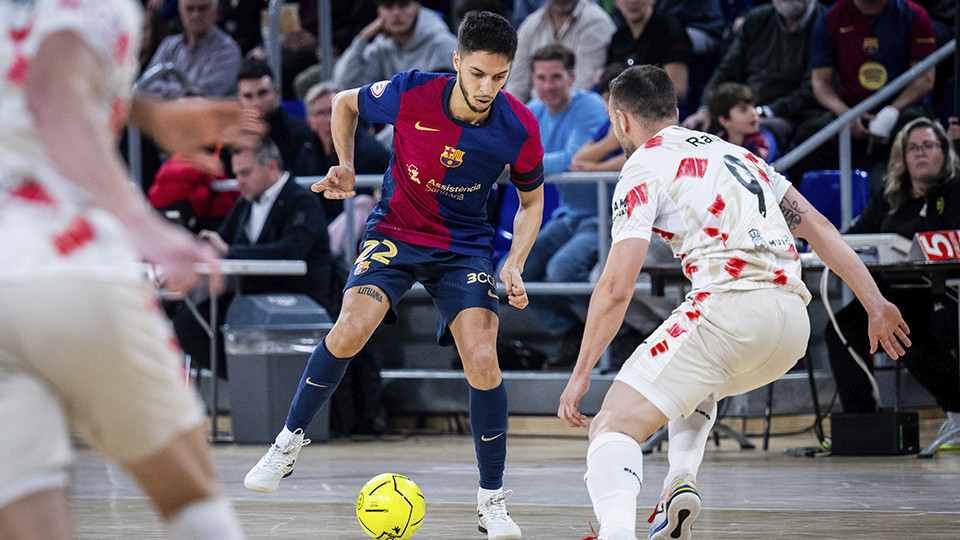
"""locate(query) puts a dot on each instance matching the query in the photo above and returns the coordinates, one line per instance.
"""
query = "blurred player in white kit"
(82, 341)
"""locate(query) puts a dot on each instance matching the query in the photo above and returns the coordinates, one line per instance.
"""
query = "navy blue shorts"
(456, 282)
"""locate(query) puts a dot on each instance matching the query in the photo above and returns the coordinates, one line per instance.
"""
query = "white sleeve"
(635, 203)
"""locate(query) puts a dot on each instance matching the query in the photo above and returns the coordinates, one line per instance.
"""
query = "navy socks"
(321, 377)
(488, 420)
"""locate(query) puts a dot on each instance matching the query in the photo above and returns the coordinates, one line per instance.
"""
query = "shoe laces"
(495, 507)
(278, 458)
(948, 425)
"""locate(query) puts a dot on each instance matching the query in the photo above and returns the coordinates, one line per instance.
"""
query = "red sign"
(939, 245)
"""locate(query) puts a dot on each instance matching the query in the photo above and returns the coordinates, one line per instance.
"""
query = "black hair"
(609, 73)
(487, 32)
(252, 68)
(645, 92)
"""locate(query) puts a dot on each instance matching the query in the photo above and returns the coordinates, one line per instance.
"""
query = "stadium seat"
(509, 203)
(822, 189)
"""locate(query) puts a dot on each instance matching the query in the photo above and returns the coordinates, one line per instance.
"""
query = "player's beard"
(466, 98)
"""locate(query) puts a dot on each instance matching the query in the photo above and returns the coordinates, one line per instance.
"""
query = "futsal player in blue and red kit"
(453, 137)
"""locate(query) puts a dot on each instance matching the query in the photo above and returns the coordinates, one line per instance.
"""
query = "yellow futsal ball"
(390, 507)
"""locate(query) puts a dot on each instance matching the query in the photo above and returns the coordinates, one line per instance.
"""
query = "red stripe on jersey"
(756, 161)
(712, 231)
(636, 197)
(700, 296)
(30, 190)
(659, 348)
(654, 142)
(718, 206)
(77, 234)
(693, 315)
(689, 269)
(734, 266)
(692, 167)
(675, 330)
(17, 74)
(121, 47)
(781, 278)
(664, 234)
(793, 250)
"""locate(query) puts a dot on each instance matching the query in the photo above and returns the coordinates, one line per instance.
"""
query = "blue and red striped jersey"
(435, 191)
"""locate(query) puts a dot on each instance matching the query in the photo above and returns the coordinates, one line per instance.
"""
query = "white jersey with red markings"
(716, 205)
(47, 227)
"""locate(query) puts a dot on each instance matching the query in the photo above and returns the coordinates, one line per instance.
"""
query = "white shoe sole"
(508, 536)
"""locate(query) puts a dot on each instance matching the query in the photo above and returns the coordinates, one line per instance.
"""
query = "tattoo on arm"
(371, 292)
(792, 213)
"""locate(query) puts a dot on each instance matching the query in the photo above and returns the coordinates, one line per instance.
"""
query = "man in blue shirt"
(453, 137)
(566, 249)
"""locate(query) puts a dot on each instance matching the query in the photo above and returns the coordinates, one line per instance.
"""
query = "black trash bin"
(268, 339)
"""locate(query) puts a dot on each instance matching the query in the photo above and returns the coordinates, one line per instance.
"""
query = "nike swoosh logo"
(492, 294)
(845, 29)
(484, 438)
(423, 128)
(315, 384)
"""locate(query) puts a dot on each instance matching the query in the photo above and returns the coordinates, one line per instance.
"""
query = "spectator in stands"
(580, 25)
(522, 9)
(206, 55)
(370, 156)
(649, 38)
(733, 107)
(602, 152)
(276, 218)
(922, 193)
(257, 91)
(404, 36)
(867, 43)
(702, 19)
(566, 248)
(771, 55)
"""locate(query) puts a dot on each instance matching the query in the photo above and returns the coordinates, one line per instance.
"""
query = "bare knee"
(481, 367)
(347, 336)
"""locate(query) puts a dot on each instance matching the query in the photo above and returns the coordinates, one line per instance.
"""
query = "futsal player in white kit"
(732, 220)
(82, 340)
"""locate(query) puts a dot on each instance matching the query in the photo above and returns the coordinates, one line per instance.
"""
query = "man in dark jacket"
(274, 219)
(771, 55)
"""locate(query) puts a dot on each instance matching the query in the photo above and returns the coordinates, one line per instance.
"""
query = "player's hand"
(887, 328)
(699, 120)
(176, 252)
(576, 388)
(215, 241)
(513, 283)
(338, 183)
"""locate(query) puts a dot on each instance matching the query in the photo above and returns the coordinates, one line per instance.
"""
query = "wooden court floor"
(746, 493)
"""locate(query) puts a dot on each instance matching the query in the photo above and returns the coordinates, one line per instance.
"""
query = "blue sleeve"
(823, 52)
(379, 102)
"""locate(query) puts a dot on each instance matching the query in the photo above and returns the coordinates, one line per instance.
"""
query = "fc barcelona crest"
(361, 268)
(451, 157)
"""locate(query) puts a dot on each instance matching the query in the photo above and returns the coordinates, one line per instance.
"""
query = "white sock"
(209, 519)
(688, 439)
(614, 475)
(284, 437)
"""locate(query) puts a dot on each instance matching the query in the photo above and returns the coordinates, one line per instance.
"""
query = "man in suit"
(275, 218)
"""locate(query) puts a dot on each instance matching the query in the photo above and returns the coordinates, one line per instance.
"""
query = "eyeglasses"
(928, 146)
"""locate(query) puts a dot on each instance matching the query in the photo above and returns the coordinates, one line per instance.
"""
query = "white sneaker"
(494, 518)
(953, 443)
(679, 505)
(275, 465)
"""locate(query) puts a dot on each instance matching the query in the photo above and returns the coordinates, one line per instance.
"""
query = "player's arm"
(608, 305)
(526, 225)
(340, 179)
(886, 325)
(63, 85)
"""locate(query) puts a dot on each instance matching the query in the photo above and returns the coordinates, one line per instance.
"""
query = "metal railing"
(841, 125)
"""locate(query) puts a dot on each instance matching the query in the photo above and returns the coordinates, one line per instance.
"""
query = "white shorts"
(723, 344)
(99, 355)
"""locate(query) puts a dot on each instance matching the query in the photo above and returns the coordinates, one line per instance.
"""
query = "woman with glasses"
(921, 193)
